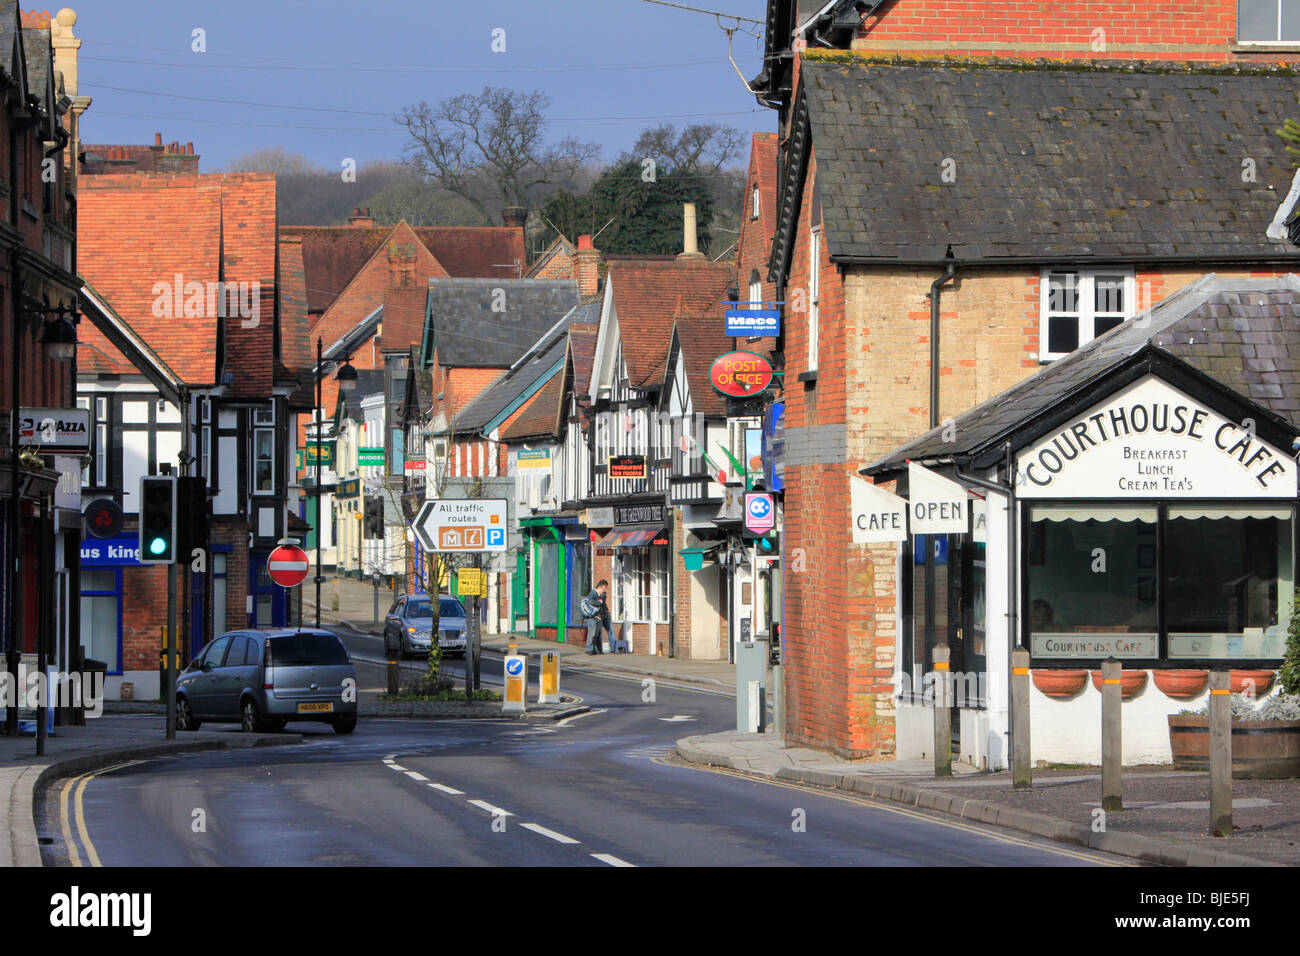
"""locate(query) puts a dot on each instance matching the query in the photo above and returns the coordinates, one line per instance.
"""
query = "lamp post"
(346, 376)
(60, 340)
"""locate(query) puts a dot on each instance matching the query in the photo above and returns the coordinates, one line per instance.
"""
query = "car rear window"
(319, 649)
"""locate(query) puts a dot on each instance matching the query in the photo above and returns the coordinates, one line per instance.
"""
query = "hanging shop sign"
(935, 504)
(1151, 440)
(754, 319)
(627, 466)
(740, 374)
(322, 452)
(368, 457)
(61, 429)
(760, 513)
(351, 488)
(878, 515)
(528, 458)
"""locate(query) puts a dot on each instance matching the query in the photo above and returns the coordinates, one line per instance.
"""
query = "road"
(599, 789)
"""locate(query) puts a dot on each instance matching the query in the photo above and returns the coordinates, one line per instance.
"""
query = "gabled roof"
(1048, 161)
(106, 344)
(296, 360)
(485, 323)
(541, 416)
(403, 317)
(701, 339)
(333, 255)
(1242, 335)
(582, 345)
(649, 293)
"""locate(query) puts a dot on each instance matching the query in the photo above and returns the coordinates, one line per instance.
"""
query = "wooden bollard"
(393, 675)
(1220, 755)
(942, 715)
(1021, 775)
(1112, 738)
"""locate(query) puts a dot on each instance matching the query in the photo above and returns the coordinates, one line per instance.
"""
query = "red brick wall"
(1069, 29)
(144, 614)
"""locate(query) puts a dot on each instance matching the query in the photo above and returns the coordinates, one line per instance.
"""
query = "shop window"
(1268, 21)
(544, 583)
(643, 585)
(1101, 580)
(579, 580)
(101, 616)
(1078, 306)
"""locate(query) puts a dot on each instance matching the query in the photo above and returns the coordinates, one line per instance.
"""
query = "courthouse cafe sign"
(1150, 440)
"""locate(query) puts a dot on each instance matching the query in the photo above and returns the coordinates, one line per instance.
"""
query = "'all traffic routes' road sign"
(462, 524)
(287, 565)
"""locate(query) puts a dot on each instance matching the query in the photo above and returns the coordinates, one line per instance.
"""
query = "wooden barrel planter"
(1060, 684)
(1130, 682)
(1261, 749)
(1180, 684)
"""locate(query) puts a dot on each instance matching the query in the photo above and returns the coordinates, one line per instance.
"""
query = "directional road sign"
(462, 524)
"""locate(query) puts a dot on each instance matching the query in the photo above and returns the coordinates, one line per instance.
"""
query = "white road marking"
(612, 860)
(557, 837)
(495, 811)
(416, 776)
(396, 766)
(590, 713)
(446, 789)
(676, 718)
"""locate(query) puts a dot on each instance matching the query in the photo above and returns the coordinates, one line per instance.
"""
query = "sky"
(324, 78)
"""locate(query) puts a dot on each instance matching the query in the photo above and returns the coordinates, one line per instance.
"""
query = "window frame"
(1086, 313)
(1279, 42)
(814, 298)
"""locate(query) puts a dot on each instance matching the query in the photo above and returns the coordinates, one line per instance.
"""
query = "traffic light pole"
(320, 413)
(170, 669)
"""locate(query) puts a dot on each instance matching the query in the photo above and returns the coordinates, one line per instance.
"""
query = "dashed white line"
(557, 837)
(446, 789)
(416, 776)
(484, 805)
(612, 860)
(396, 766)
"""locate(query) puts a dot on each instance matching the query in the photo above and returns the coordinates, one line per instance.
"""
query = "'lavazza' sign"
(1152, 441)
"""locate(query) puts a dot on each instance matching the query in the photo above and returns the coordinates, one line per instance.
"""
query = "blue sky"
(357, 64)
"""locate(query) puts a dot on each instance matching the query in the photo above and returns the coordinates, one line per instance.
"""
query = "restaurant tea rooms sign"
(1150, 440)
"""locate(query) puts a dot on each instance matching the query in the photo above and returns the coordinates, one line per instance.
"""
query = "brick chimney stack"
(361, 218)
(586, 266)
(690, 243)
(514, 216)
(401, 263)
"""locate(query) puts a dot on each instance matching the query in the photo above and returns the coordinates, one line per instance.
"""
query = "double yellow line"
(72, 793)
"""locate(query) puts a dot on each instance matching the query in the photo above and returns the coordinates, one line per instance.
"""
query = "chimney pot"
(690, 244)
(585, 242)
(157, 139)
(189, 148)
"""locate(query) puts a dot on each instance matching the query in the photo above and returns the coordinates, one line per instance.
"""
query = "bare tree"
(274, 159)
(704, 148)
(490, 147)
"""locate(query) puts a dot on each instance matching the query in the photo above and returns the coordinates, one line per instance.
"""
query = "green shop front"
(559, 576)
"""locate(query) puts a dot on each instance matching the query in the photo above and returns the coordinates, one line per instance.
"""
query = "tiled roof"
(537, 365)
(403, 321)
(36, 46)
(334, 254)
(248, 253)
(540, 417)
(701, 340)
(1242, 333)
(1034, 161)
(483, 323)
(648, 294)
(297, 359)
(582, 343)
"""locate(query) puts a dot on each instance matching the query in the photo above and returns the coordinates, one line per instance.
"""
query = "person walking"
(596, 613)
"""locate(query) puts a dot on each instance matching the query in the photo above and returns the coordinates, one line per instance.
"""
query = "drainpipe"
(949, 270)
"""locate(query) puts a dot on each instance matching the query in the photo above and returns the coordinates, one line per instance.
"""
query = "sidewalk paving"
(356, 610)
(1165, 821)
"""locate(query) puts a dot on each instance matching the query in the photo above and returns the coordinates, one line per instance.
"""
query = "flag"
(744, 472)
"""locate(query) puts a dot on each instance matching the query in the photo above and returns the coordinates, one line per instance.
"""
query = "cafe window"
(1078, 306)
(643, 585)
(1159, 582)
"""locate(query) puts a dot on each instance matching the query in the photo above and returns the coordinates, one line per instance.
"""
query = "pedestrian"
(596, 614)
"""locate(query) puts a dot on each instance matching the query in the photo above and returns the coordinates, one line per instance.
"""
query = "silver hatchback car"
(264, 679)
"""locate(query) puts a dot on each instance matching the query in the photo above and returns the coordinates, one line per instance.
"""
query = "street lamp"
(60, 340)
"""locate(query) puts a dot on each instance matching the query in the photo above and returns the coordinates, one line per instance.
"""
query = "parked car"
(408, 630)
(264, 679)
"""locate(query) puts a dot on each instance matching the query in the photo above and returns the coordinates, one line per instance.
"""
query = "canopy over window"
(631, 536)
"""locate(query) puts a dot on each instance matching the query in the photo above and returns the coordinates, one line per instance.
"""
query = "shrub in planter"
(1265, 738)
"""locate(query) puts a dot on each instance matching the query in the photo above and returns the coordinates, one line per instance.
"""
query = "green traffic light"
(158, 546)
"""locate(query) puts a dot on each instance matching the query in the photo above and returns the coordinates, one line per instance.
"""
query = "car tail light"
(266, 666)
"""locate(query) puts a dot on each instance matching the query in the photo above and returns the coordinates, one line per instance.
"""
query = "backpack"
(588, 608)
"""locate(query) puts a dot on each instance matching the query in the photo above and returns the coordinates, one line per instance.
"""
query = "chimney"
(401, 263)
(361, 218)
(514, 216)
(157, 140)
(586, 266)
(690, 245)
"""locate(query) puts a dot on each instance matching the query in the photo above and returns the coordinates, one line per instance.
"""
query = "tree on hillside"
(646, 214)
(490, 149)
(274, 159)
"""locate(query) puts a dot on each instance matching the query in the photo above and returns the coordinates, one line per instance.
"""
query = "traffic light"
(374, 523)
(769, 545)
(192, 527)
(158, 519)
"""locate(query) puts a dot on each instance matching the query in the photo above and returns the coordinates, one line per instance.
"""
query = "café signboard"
(1151, 440)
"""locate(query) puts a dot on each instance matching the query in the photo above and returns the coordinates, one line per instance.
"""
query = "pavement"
(1165, 821)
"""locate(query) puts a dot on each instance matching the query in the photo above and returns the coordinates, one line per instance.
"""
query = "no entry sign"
(287, 565)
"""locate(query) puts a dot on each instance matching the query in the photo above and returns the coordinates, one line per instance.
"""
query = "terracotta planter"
(1131, 682)
(1181, 685)
(1263, 681)
(1261, 749)
(1060, 684)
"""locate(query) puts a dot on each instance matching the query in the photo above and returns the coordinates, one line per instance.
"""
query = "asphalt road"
(594, 790)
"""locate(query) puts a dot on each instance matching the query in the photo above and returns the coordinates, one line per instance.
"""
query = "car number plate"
(325, 708)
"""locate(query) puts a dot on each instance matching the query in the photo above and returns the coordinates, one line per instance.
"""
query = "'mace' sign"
(1150, 440)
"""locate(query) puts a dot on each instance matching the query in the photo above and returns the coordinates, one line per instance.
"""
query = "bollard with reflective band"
(548, 685)
(516, 668)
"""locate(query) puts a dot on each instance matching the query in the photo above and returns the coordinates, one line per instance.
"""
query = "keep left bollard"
(548, 683)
